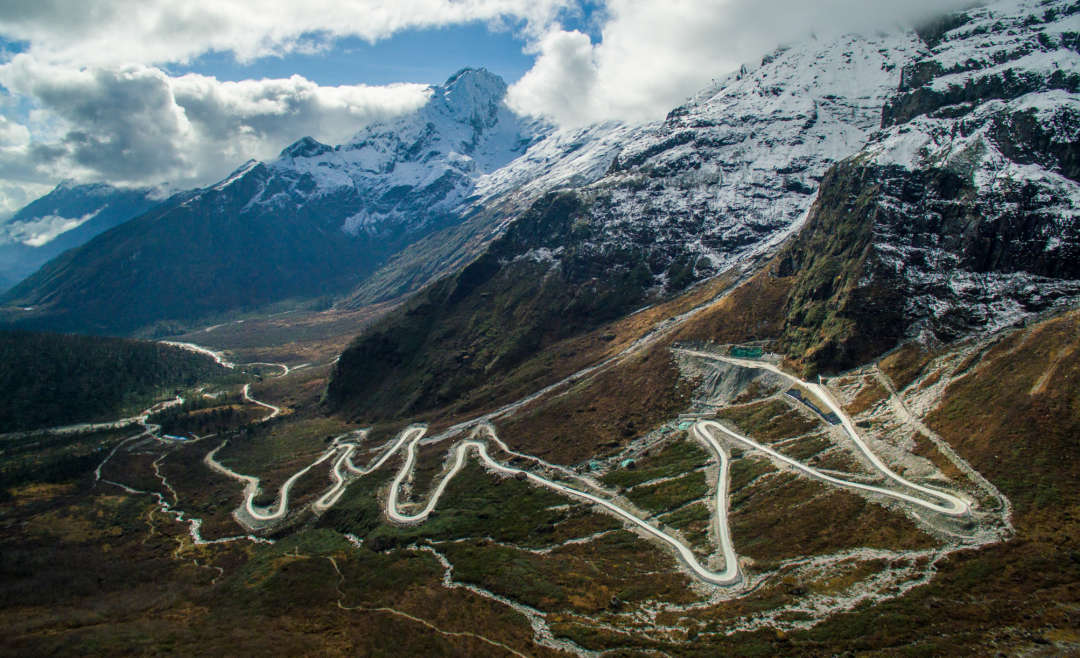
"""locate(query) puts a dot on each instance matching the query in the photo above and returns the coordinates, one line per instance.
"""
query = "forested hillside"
(56, 379)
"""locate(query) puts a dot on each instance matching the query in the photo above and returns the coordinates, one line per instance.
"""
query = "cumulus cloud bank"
(653, 55)
(137, 124)
(104, 108)
(116, 32)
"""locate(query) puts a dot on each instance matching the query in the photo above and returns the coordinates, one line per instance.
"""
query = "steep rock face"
(1001, 52)
(734, 172)
(532, 287)
(65, 218)
(836, 314)
(968, 208)
(727, 176)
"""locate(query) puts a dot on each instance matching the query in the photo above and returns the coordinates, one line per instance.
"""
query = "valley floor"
(774, 515)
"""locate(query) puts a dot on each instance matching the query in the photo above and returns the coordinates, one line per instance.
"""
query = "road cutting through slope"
(707, 432)
(953, 506)
(274, 411)
(218, 357)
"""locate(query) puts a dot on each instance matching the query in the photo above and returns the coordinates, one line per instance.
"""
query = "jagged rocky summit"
(404, 174)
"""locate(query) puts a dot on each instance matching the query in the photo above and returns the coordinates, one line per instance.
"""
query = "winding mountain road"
(952, 505)
(707, 432)
(274, 411)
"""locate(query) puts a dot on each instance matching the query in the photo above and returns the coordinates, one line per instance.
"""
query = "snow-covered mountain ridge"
(738, 167)
(314, 221)
(960, 142)
(729, 175)
(978, 170)
(969, 125)
(404, 173)
(988, 96)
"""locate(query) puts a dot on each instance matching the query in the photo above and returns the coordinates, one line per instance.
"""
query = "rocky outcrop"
(949, 223)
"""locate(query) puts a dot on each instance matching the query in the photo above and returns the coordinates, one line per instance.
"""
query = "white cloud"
(13, 134)
(136, 124)
(653, 55)
(564, 83)
(41, 230)
(110, 33)
(14, 195)
(20, 181)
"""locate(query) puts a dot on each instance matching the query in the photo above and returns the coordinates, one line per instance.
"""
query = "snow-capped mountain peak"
(407, 172)
(471, 96)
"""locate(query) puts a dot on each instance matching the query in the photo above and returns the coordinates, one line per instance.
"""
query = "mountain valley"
(794, 371)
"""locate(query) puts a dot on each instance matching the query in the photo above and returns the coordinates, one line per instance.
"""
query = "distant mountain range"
(65, 218)
(931, 176)
(316, 220)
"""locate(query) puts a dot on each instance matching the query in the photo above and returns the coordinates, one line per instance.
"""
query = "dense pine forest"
(57, 379)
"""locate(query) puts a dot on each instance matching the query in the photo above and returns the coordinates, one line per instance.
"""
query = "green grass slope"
(493, 315)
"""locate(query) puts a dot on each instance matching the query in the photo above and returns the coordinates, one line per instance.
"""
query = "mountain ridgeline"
(956, 216)
(202, 257)
(315, 221)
